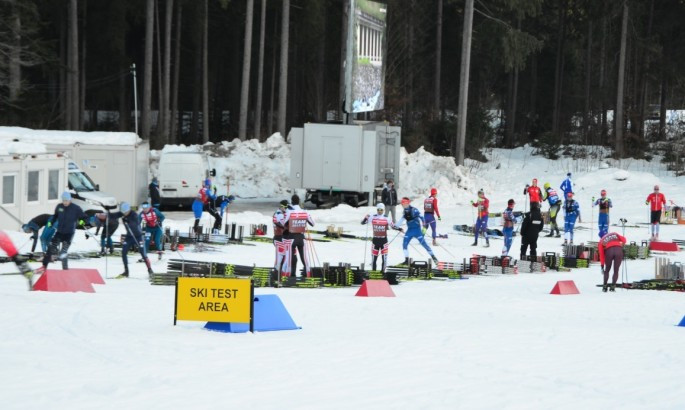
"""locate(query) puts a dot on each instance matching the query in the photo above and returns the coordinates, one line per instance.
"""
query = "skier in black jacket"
(134, 235)
(530, 229)
(154, 193)
(67, 216)
(34, 226)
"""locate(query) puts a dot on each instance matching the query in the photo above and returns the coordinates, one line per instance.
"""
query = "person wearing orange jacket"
(430, 211)
(656, 201)
(611, 252)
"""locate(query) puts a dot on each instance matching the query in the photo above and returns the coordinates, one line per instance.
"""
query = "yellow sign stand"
(214, 300)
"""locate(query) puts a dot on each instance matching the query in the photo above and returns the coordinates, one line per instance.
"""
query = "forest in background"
(542, 71)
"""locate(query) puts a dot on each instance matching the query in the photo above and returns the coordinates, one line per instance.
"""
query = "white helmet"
(380, 206)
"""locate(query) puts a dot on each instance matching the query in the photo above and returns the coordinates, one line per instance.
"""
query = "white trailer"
(118, 162)
(30, 185)
(339, 163)
(119, 170)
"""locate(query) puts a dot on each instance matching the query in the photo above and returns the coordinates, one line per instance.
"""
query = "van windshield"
(80, 182)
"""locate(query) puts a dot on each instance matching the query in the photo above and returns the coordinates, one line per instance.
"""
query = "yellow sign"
(213, 300)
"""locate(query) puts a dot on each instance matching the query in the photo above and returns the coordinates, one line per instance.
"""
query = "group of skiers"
(59, 229)
(290, 224)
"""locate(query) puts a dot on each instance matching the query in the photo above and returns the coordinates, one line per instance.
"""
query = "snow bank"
(421, 171)
(68, 137)
(253, 169)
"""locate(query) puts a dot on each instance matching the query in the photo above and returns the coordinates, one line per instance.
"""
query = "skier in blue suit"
(567, 185)
(415, 229)
(572, 212)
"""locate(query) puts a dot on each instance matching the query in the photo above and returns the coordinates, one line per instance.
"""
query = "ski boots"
(122, 275)
(551, 234)
(474, 243)
(604, 288)
(25, 270)
(435, 243)
(406, 262)
(103, 252)
(558, 235)
(159, 255)
(612, 288)
(487, 244)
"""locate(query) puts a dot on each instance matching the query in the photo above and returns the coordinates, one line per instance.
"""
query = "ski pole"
(366, 239)
(448, 252)
(592, 215)
(393, 239)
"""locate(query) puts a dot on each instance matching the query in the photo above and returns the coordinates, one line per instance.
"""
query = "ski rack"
(633, 251)
(537, 265)
(581, 251)
(664, 269)
(255, 229)
(416, 270)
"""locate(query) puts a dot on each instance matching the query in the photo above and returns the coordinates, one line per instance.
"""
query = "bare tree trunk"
(559, 71)
(283, 80)
(260, 74)
(662, 103)
(642, 97)
(438, 62)
(14, 69)
(205, 76)
(411, 31)
(124, 106)
(343, 55)
(166, 94)
(157, 136)
(602, 75)
(247, 61)
(621, 84)
(588, 82)
(63, 77)
(197, 86)
(177, 70)
(82, 96)
(147, 74)
(464, 82)
(321, 73)
(270, 125)
(73, 70)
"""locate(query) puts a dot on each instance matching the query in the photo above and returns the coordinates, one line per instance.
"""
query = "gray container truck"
(339, 163)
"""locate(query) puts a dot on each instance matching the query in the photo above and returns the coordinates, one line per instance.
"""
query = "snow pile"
(253, 169)
(69, 137)
(421, 171)
(621, 175)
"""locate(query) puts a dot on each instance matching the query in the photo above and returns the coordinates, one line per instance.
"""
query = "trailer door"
(332, 162)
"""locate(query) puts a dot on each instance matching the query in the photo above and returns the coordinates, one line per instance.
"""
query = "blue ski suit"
(415, 223)
(572, 212)
(603, 220)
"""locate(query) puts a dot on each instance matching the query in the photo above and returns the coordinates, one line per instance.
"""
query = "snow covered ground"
(487, 342)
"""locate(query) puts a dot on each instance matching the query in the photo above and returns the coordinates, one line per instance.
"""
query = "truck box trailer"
(338, 163)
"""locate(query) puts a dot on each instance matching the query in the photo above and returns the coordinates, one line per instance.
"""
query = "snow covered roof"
(9, 147)
(67, 137)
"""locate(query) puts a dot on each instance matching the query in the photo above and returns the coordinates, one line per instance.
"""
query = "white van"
(181, 175)
(86, 194)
